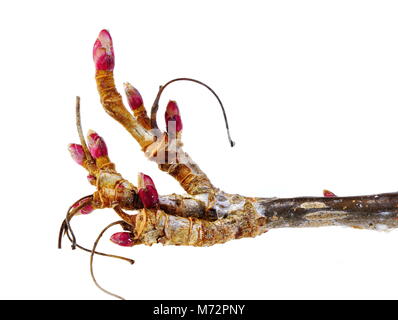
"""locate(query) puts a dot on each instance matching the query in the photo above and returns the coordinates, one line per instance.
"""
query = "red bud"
(104, 57)
(173, 114)
(328, 194)
(77, 152)
(96, 145)
(147, 191)
(85, 209)
(122, 239)
(133, 96)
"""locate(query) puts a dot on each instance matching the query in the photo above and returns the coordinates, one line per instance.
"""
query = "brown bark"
(377, 212)
(182, 220)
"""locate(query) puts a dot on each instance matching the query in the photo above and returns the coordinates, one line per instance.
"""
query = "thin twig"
(131, 261)
(155, 105)
(92, 257)
(67, 229)
(69, 214)
(80, 132)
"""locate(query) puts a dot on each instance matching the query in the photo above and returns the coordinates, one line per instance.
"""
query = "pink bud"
(85, 209)
(96, 145)
(77, 152)
(104, 57)
(328, 194)
(147, 191)
(173, 114)
(122, 239)
(133, 96)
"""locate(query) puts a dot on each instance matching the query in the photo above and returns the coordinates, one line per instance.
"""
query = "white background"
(311, 92)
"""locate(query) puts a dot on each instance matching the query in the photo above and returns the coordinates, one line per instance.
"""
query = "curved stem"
(131, 261)
(92, 257)
(69, 215)
(155, 105)
(67, 229)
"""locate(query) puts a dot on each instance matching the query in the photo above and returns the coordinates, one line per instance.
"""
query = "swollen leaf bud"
(122, 239)
(85, 209)
(328, 194)
(173, 114)
(96, 145)
(133, 96)
(77, 153)
(147, 191)
(103, 55)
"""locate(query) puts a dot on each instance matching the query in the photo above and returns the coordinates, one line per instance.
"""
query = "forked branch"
(206, 215)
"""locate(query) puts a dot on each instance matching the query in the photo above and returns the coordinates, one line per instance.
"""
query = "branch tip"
(147, 191)
(134, 97)
(328, 194)
(103, 55)
(172, 114)
(96, 145)
(123, 239)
